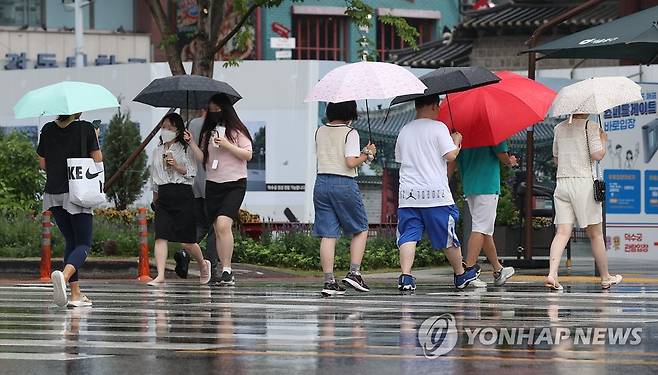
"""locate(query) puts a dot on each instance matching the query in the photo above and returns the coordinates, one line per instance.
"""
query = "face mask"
(215, 117)
(167, 135)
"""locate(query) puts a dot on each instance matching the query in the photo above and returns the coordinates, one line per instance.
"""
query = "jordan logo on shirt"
(422, 194)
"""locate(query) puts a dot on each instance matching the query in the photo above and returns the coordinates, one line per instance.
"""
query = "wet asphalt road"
(284, 327)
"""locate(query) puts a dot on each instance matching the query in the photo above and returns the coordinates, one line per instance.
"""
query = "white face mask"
(167, 135)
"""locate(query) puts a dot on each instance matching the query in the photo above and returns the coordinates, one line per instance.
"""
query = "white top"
(419, 149)
(333, 144)
(570, 147)
(160, 176)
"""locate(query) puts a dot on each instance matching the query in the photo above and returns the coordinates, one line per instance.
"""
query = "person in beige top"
(574, 194)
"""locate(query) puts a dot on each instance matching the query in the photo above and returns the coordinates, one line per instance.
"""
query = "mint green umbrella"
(64, 98)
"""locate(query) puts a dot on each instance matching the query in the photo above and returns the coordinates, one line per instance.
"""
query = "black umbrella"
(185, 91)
(634, 37)
(451, 79)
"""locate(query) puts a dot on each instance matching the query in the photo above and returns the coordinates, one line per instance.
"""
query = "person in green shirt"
(480, 172)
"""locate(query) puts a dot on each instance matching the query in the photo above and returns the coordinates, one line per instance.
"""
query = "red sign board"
(278, 28)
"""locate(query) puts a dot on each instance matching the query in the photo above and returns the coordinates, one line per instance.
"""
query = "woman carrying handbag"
(68, 137)
(577, 145)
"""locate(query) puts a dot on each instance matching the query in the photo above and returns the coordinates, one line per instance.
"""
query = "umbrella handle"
(452, 122)
(368, 116)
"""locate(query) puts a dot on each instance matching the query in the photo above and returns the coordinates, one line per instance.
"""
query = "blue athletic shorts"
(338, 205)
(439, 223)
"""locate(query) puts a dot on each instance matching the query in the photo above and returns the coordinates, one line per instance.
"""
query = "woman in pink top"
(226, 146)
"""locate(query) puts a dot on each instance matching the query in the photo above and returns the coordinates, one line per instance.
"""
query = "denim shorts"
(338, 205)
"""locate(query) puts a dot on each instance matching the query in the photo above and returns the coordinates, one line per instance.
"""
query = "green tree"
(208, 39)
(121, 139)
(21, 180)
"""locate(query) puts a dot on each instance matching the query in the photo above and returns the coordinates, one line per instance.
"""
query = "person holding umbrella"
(173, 166)
(62, 139)
(336, 198)
(226, 147)
(577, 145)
(578, 142)
(423, 149)
(65, 138)
(480, 174)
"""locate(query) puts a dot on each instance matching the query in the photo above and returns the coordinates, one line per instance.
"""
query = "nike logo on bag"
(91, 176)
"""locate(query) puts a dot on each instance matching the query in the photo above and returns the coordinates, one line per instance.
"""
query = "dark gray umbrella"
(451, 79)
(634, 37)
(185, 91)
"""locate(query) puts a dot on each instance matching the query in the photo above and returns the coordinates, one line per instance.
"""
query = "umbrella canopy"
(185, 91)
(64, 98)
(451, 79)
(634, 37)
(490, 114)
(365, 80)
(595, 95)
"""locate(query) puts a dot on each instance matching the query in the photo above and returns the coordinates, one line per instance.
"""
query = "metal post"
(532, 68)
(79, 34)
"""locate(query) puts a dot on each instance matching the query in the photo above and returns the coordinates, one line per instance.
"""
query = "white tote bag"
(86, 182)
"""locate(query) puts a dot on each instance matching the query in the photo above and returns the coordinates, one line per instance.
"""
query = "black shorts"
(175, 219)
(225, 199)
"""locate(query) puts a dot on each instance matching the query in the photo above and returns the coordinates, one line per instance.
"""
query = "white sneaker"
(504, 274)
(477, 283)
(59, 288)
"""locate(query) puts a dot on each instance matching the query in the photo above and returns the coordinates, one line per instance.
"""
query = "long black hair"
(229, 119)
(179, 124)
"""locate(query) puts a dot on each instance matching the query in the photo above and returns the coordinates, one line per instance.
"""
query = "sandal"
(204, 277)
(552, 284)
(612, 280)
(84, 301)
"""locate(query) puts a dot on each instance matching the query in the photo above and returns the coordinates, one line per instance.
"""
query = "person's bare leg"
(224, 234)
(454, 256)
(489, 248)
(197, 254)
(160, 251)
(358, 247)
(68, 271)
(75, 291)
(327, 250)
(595, 234)
(562, 236)
(407, 256)
(475, 243)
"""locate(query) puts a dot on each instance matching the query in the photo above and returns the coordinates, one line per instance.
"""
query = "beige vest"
(330, 150)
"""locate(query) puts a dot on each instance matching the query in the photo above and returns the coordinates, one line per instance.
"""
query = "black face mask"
(215, 117)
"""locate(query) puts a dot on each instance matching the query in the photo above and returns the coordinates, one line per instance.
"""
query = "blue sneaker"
(470, 274)
(406, 283)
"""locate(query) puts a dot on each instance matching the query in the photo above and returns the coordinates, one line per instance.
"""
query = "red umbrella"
(490, 114)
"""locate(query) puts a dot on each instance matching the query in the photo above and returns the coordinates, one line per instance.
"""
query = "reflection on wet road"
(261, 327)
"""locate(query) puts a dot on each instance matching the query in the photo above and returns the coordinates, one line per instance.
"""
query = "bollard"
(143, 268)
(46, 249)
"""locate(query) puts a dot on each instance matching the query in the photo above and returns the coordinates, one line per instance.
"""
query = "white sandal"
(612, 280)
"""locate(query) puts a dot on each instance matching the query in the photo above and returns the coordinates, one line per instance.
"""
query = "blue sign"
(651, 192)
(623, 191)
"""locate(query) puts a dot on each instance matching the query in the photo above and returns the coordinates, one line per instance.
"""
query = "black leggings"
(77, 232)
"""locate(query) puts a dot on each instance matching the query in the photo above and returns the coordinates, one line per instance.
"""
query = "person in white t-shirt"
(423, 149)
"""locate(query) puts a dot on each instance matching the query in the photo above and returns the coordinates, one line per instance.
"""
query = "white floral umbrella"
(595, 95)
(365, 80)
